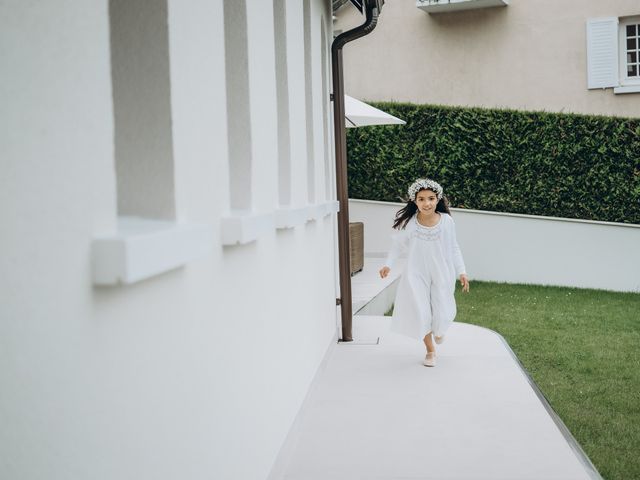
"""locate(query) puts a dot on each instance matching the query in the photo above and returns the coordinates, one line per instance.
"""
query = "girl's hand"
(464, 281)
(384, 271)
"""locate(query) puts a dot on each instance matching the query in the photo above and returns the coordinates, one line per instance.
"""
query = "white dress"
(424, 300)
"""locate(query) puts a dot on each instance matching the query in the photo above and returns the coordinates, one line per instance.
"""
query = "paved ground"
(367, 285)
(375, 412)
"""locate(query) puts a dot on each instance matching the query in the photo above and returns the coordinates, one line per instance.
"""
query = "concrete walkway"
(375, 412)
(370, 294)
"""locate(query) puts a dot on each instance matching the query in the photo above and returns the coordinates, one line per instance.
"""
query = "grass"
(582, 348)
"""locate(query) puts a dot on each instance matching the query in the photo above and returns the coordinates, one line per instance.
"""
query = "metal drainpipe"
(372, 10)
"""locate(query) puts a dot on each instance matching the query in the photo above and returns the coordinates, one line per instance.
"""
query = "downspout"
(372, 10)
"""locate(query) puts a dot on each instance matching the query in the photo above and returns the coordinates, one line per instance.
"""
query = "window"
(613, 53)
(282, 95)
(308, 94)
(251, 121)
(238, 108)
(629, 33)
(146, 240)
(142, 108)
(327, 145)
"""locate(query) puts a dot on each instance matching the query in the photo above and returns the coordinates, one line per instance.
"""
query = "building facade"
(578, 56)
(169, 266)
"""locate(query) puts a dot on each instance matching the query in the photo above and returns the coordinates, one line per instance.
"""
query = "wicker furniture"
(356, 246)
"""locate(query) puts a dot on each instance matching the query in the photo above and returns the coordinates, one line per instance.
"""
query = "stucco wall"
(524, 248)
(529, 55)
(195, 373)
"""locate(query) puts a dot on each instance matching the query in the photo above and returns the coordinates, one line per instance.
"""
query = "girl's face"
(426, 200)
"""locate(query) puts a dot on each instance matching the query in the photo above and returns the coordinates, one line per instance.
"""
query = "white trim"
(287, 217)
(627, 89)
(316, 212)
(143, 248)
(624, 81)
(437, 6)
(323, 209)
(240, 228)
(544, 217)
(521, 215)
(333, 206)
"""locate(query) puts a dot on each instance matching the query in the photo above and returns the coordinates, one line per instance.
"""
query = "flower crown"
(425, 183)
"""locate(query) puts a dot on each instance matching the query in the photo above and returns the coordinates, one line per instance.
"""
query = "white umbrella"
(360, 114)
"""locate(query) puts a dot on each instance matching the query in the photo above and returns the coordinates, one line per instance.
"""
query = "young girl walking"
(425, 306)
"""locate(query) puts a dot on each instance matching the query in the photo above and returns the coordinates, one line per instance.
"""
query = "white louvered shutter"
(602, 52)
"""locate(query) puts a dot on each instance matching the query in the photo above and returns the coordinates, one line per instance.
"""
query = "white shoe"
(430, 359)
(439, 340)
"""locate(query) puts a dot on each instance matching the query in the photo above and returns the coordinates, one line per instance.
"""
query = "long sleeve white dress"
(424, 300)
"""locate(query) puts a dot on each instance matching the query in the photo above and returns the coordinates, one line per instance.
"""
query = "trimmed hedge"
(538, 163)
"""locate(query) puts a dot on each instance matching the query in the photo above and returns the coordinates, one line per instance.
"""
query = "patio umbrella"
(360, 114)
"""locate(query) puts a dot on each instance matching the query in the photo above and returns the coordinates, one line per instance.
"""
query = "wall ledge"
(323, 209)
(626, 89)
(438, 6)
(506, 214)
(142, 248)
(242, 227)
(290, 217)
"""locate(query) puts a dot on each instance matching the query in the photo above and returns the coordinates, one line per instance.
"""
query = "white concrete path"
(375, 412)
(371, 294)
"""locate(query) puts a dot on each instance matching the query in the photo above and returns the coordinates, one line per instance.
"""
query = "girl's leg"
(444, 311)
(430, 359)
(428, 341)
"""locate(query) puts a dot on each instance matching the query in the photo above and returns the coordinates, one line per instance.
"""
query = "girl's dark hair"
(405, 213)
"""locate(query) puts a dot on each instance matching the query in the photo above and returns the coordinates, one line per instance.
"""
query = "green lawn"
(582, 348)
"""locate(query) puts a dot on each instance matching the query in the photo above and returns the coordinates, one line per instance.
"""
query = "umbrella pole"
(372, 9)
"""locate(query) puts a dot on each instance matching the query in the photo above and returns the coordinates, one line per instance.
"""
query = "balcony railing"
(441, 6)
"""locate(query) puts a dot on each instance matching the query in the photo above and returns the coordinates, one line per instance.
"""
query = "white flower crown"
(425, 183)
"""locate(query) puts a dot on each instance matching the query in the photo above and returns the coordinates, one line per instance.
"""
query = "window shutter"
(602, 52)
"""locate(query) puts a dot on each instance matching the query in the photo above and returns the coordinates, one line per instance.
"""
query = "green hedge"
(538, 163)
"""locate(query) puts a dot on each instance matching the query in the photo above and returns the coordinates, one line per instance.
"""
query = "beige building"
(577, 56)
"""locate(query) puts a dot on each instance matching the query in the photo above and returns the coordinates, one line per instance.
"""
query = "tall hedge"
(538, 163)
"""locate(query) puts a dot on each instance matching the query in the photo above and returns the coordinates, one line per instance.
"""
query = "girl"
(425, 305)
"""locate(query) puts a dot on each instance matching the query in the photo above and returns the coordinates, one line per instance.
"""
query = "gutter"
(372, 11)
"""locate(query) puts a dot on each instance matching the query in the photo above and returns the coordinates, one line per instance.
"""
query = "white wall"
(195, 373)
(526, 249)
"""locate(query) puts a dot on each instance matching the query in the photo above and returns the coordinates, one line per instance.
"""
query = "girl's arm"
(399, 244)
(458, 261)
